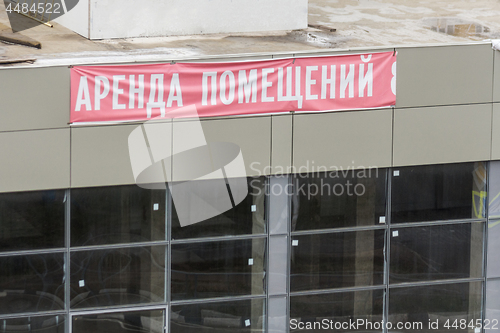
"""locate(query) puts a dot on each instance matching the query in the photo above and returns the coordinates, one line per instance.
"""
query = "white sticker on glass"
(396, 173)
(295, 242)
(254, 208)
(156, 206)
(381, 219)
(247, 322)
(395, 233)
(250, 262)
(81, 283)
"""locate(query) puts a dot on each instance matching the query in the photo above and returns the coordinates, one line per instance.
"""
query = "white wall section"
(130, 18)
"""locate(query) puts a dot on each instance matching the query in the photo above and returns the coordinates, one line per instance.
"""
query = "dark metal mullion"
(434, 282)
(440, 222)
(33, 252)
(485, 246)
(67, 258)
(218, 300)
(168, 219)
(337, 290)
(33, 314)
(218, 239)
(387, 257)
(117, 246)
(289, 245)
(168, 258)
(338, 230)
(118, 309)
(268, 252)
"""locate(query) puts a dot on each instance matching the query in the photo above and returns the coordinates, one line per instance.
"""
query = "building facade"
(366, 216)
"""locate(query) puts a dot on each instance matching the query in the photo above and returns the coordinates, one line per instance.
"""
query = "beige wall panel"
(34, 160)
(281, 156)
(252, 135)
(342, 140)
(442, 134)
(444, 75)
(496, 77)
(34, 98)
(495, 140)
(100, 155)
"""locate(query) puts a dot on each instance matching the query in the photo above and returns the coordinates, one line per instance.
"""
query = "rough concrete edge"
(19, 39)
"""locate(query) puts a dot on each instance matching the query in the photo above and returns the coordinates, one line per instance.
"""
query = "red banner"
(141, 92)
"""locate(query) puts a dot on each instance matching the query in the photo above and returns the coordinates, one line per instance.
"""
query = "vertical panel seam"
(491, 131)
(271, 161)
(392, 135)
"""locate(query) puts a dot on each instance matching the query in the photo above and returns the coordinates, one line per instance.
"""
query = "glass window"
(218, 269)
(278, 264)
(277, 315)
(337, 260)
(492, 322)
(436, 252)
(44, 324)
(494, 190)
(246, 217)
(438, 192)
(117, 276)
(493, 267)
(119, 214)
(435, 305)
(31, 283)
(332, 312)
(338, 199)
(32, 220)
(120, 322)
(280, 189)
(227, 317)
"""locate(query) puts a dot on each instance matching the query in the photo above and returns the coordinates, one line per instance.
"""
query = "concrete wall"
(447, 111)
(77, 19)
(182, 17)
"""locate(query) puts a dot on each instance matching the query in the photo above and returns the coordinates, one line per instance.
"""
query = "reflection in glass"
(218, 269)
(120, 322)
(437, 252)
(493, 267)
(32, 220)
(492, 306)
(230, 317)
(277, 315)
(119, 214)
(117, 276)
(320, 313)
(44, 324)
(279, 204)
(437, 304)
(278, 265)
(494, 190)
(339, 199)
(31, 283)
(438, 192)
(337, 260)
(248, 217)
